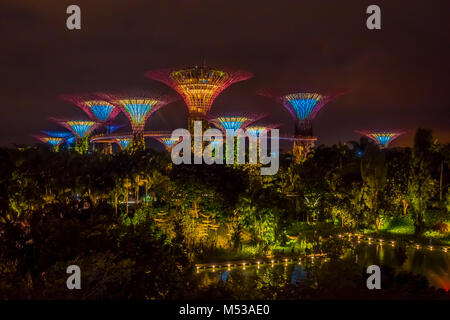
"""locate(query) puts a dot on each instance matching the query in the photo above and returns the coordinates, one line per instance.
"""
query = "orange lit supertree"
(138, 106)
(382, 137)
(303, 108)
(198, 86)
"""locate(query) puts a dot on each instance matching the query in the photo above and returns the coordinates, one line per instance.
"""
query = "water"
(433, 264)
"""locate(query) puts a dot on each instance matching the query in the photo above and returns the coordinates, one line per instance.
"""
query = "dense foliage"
(142, 222)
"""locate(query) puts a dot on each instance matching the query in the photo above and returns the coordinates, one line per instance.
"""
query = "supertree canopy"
(382, 138)
(123, 142)
(138, 107)
(230, 124)
(97, 109)
(255, 131)
(168, 142)
(52, 141)
(198, 86)
(80, 128)
(58, 134)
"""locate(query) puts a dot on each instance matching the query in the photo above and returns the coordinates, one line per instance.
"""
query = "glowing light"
(303, 104)
(102, 110)
(80, 128)
(417, 247)
(58, 134)
(138, 110)
(198, 86)
(255, 131)
(382, 138)
(124, 142)
(231, 123)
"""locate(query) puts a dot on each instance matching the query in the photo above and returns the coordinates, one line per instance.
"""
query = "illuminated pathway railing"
(313, 258)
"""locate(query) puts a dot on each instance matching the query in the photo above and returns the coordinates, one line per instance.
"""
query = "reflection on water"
(433, 264)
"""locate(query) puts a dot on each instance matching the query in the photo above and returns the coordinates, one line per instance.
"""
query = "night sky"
(398, 76)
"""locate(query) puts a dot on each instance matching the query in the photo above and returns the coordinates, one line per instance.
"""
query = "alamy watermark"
(213, 153)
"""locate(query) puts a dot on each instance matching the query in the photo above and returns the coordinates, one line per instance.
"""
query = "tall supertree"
(54, 142)
(81, 130)
(198, 86)
(382, 138)
(138, 106)
(303, 107)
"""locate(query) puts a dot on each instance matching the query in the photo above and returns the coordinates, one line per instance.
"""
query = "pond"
(434, 264)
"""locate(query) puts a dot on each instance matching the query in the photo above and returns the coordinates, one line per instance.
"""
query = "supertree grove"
(382, 138)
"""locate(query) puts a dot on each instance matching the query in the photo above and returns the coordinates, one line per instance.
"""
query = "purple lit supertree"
(198, 86)
(303, 108)
(138, 106)
(382, 138)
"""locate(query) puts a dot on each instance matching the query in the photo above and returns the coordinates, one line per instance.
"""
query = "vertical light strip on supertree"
(198, 86)
(382, 138)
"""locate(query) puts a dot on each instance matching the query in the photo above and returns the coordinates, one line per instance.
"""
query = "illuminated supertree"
(198, 86)
(303, 107)
(138, 107)
(54, 142)
(168, 142)
(68, 137)
(255, 131)
(98, 110)
(81, 130)
(382, 138)
(123, 142)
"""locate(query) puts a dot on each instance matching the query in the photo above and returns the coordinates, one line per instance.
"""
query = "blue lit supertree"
(382, 138)
(68, 137)
(303, 108)
(168, 142)
(138, 106)
(81, 130)
(54, 142)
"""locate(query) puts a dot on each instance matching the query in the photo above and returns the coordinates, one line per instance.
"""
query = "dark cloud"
(398, 76)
